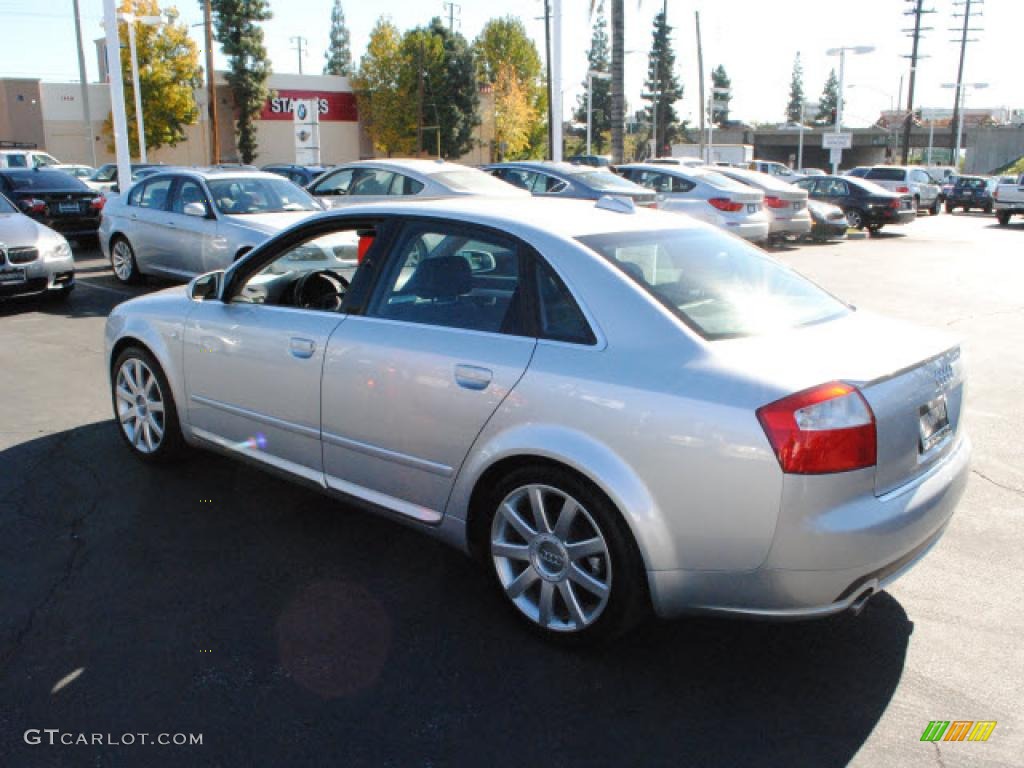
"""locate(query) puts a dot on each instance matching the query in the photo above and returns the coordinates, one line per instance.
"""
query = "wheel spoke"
(580, 549)
(511, 551)
(147, 436)
(137, 433)
(522, 582)
(569, 597)
(155, 429)
(588, 582)
(150, 383)
(565, 518)
(547, 599)
(155, 406)
(123, 393)
(129, 413)
(540, 517)
(516, 521)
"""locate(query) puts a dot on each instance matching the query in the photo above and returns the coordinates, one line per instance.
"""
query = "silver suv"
(908, 180)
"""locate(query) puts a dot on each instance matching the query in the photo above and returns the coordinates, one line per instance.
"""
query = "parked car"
(614, 411)
(181, 223)
(105, 178)
(82, 172)
(34, 260)
(811, 172)
(859, 171)
(303, 175)
(909, 180)
(690, 162)
(970, 192)
(772, 168)
(563, 180)
(595, 161)
(866, 205)
(785, 203)
(26, 158)
(947, 187)
(707, 195)
(828, 221)
(369, 180)
(1009, 200)
(55, 199)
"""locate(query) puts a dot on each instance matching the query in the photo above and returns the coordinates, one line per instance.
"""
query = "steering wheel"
(320, 289)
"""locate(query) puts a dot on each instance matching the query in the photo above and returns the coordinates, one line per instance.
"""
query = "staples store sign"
(333, 106)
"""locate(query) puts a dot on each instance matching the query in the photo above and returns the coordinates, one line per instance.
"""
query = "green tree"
(829, 101)
(504, 41)
(169, 73)
(381, 95)
(796, 92)
(447, 97)
(339, 53)
(662, 84)
(720, 79)
(236, 28)
(598, 60)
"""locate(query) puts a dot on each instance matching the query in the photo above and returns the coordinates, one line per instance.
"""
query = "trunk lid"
(910, 376)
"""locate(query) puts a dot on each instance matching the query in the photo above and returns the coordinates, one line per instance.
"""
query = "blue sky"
(755, 40)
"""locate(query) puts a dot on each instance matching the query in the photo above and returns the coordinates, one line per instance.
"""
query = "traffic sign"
(836, 140)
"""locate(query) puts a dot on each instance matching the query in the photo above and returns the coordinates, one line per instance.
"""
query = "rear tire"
(936, 207)
(988, 208)
(1003, 219)
(562, 557)
(144, 411)
(855, 219)
(122, 260)
(949, 207)
(874, 229)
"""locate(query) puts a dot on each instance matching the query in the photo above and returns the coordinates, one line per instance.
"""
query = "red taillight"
(725, 204)
(97, 203)
(903, 190)
(365, 241)
(894, 203)
(825, 429)
(32, 205)
(773, 202)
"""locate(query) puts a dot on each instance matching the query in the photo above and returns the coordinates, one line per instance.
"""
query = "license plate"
(798, 206)
(753, 207)
(934, 424)
(12, 276)
(68, 207)
(968, 193)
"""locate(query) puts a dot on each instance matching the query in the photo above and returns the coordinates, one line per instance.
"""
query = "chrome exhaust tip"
(862, 599)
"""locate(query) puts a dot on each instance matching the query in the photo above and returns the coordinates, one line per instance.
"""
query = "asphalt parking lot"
(287, 629)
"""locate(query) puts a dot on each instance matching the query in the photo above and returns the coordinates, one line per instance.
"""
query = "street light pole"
(117, 112)
(130, 19)
(960, 119)
(800, 141)
(858, 49)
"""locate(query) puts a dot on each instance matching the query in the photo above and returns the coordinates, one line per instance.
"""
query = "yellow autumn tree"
(514, 112)
(169, 73)
(384, 107)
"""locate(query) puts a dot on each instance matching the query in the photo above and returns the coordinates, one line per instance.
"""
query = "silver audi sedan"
(614, 409)
(180, 223)
(34, 260)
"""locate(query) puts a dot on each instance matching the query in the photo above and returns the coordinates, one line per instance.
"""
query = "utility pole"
(556, 79)
(908, 120)
(966, 5)
(419, 100)
(211, 85)
(450, 7)
(299, 43)
(700, 80)
(86, 114)
(547, 66)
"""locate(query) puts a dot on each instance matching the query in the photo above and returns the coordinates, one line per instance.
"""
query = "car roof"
(211, 174)
(423, 166)
(567, 218)
(547, 165)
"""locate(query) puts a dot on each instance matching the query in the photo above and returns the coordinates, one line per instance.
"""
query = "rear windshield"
(472, 181)
(720, 286)
(46, 181)
(972, 183)
(607, 181)
(886, 174)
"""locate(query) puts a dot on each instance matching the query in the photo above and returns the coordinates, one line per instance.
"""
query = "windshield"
(46, 180)
(249, 195)
(607, 181)
(474, 182)
(5, 206)
(720, 286)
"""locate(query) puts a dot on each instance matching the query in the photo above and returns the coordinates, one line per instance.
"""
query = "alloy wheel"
(551, 558)
(854, 219)
(121, 259)
(140, 405)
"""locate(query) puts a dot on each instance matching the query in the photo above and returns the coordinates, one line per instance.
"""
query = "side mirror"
(206, 286)
(195, 209)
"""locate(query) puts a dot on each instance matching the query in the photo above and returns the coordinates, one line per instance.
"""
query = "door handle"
(303, 348)
(472, 376)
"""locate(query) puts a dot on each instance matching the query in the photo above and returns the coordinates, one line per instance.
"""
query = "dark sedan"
(970, 192)
(303, 175)
(55, 199)
(582, 182)
(866, 205)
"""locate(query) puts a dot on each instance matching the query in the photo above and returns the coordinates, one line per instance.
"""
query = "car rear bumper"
(824, 563)
(755, 231)
(793, 226)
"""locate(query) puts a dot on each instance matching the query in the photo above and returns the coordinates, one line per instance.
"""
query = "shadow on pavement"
(289, 629)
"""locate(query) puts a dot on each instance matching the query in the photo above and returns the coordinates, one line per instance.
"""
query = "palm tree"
(618, 78)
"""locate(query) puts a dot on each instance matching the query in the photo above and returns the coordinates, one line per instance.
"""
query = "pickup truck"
(1009, 199)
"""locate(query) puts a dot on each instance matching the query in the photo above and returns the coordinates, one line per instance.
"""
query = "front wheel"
(563, 557)
(936, 207)
(949, 207)
(122, 259)
(855, 219)
(144, 409)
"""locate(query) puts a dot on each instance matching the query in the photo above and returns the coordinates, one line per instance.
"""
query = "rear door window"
(155, 193)
(17, 161)
(372, 182)
(337, 183)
